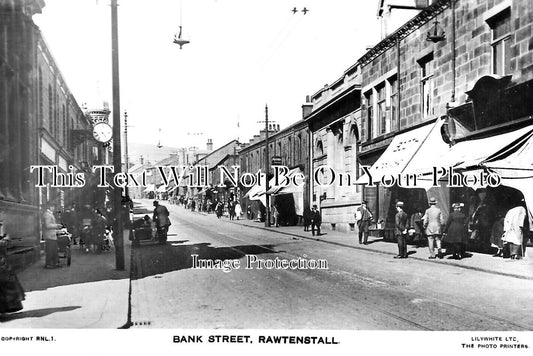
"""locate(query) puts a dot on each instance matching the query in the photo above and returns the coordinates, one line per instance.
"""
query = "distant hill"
(149, 152)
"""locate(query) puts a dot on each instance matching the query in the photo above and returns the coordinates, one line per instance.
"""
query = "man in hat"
(363, 216)
(400, 230)
(162, 221)
(433, 222)
(316, 220)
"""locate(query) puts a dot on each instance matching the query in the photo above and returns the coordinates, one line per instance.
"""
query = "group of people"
(312, 218)
(89, 228)
(507, 231)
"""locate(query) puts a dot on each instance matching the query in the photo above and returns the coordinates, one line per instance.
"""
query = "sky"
(242, 55)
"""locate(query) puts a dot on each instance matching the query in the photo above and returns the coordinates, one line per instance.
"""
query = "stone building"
(40, 124)
(456, 76)
(290, 147)
(334, 125)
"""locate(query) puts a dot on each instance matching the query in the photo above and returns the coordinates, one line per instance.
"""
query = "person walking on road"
(50, 227)
(363, 216)
(162, 221)
(400, 230)
(455, 231)
(433, 222)
(316, 221)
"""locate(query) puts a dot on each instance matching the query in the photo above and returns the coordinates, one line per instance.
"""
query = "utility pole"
(126, 158)
(267, 169)
(118, 228)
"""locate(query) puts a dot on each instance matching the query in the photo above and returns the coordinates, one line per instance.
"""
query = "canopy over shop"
(288, 199)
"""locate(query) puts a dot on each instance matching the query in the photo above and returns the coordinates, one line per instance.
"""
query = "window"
(501, 42)
(393, 84)
(50, 110)
(382, 120)
(426, 84)
(299, 147)
(41, 97)
(370, 114)
(319, 148)
(382, 107)
(64, 122)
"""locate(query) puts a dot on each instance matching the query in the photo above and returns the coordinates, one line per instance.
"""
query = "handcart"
(141, 230)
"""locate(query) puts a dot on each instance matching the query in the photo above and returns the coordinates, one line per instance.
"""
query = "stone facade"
(408, 80)
(335, 130)
(40, 123)
(291, 144)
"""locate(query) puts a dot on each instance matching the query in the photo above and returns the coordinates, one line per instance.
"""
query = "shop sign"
(276, 160)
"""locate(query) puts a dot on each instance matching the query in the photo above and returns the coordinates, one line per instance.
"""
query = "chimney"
(307, 108)
(209, 144)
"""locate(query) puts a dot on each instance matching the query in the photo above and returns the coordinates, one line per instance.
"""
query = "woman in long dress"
(238, 210)
(11, 292)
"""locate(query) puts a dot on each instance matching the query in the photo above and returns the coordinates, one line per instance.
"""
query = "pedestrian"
(238, 210)
(316, 221)
(513, 226)
(219, 208)
(482, 220)
(400, 230)
(50, 228)
(11, 291)
(307, 218)
(275, 215)
(249, 213)
(433, 222)
(162, 221)
(455, 231)
(416, 226)
(99, 226)
(364, 217)
(497, 233)
(231, 210)
(71, 219)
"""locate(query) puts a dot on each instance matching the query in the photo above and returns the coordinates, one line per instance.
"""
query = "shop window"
(426, 84)
(500, 25)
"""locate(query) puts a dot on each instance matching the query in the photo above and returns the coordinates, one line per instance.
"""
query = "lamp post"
(118, 228)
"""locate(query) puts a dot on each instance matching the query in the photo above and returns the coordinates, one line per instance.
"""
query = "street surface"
(360, 290)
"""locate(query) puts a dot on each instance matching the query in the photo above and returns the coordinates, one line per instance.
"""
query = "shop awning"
(162, 188)
(472, 153)
(290, 188)
(514, 165)
(400, 152)
(257, 192)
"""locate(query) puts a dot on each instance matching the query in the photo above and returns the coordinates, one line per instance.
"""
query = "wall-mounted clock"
(102, 132)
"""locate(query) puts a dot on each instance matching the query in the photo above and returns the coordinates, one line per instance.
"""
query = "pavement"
(90, 293)
(474, 261)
